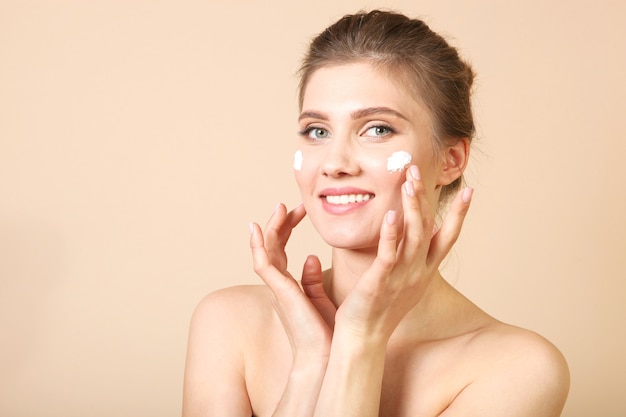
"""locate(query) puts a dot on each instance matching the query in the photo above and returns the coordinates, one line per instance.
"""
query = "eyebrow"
(357, 114)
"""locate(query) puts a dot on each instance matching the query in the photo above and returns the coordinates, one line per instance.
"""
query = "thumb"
(313, 287)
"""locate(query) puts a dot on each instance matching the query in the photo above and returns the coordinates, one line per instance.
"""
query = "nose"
(340, 158)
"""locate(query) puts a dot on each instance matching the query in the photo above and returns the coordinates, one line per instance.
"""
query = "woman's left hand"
(402, 271)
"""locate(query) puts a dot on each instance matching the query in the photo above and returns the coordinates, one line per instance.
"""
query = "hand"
(306, 314)
(401, 271)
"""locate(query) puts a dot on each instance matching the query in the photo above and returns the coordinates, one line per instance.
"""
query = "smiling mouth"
(347, 198)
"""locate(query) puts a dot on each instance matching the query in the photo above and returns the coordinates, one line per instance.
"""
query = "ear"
(454, 161)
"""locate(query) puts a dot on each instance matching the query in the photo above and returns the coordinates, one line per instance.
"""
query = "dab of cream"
(398, 161)
(297, 160)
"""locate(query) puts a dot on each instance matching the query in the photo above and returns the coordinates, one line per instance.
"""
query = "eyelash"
(389, 130)
(306, 133)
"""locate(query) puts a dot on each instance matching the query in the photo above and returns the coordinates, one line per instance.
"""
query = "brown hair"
(410, 50)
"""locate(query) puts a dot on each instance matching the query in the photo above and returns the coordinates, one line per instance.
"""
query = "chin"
(349, 238)
(352, 231)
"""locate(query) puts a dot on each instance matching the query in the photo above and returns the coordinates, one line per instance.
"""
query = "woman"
(385, 128)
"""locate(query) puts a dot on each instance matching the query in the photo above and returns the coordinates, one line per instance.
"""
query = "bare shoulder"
(234, 302)
(517, 373)
(214, 382)
(522, 350)
(235, 319)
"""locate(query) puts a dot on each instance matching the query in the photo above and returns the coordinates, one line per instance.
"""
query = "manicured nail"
(408, 186)
(277, 207)
(251, 227)
(391, 217)
(415, 172)
(466, 196)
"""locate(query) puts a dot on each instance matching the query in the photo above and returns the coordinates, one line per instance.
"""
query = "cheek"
(375, 162)
(391, 163)
(398, 161)
(305, 175)
(297, 160)
(387, 183)
(392, 173)
(299, 179)
(394, 185)
(298, 163)
(389, 169)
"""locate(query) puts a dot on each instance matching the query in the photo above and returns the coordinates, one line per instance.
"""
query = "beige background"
(137, 138)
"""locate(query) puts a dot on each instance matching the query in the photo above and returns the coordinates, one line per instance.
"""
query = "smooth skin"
(381, 333)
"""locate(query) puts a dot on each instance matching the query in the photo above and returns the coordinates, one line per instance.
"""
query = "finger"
(262, 264)
(296, 215)
(273, 225)
(260, 257)
(313, 286)
(418, 218)
(280, 225)
(447, 235)
(386, 255)
(312, 278)
(277, 233)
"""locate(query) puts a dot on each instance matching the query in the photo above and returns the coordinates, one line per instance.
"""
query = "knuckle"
(390, 236)
(420, 190)
(428, 223)
(386, 261)
(260, 268)
(463, 210)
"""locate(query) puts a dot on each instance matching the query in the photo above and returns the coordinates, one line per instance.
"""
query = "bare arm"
(214, 384)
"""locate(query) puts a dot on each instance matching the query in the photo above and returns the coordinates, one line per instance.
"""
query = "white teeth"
(347, 198)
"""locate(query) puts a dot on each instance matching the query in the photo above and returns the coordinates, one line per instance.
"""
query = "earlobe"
(455, 158)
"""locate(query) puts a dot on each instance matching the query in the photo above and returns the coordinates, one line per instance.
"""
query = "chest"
(421, 382)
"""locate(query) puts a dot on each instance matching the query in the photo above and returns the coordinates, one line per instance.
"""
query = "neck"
(347, 267)
(432, 318)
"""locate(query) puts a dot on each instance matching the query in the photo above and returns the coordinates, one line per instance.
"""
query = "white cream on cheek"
(398, 161)
(297, 160)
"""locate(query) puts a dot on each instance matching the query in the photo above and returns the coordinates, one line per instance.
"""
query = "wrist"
(307, 372)
(358, 341)
(309, 364)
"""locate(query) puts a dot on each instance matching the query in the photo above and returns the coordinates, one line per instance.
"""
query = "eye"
(315, 133)
(379, 131)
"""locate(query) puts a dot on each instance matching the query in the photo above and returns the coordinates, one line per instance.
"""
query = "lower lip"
(342, 208)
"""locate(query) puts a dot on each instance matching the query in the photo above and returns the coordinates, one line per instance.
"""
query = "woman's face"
(353, 118)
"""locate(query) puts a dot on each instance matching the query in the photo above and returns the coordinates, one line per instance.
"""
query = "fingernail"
(251, 227)
(415, 172)
(277, 207)
(466, 196)
(391, 217)
(408, 186)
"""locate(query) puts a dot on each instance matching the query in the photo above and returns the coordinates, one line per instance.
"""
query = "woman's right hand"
(408, 259)
(307, 314)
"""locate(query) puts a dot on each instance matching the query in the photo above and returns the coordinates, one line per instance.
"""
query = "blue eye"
(315, 133)
(378, 131)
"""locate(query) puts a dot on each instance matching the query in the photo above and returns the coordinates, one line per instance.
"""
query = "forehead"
(353, 86)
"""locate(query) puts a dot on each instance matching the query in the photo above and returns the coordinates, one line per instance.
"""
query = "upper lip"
(344, 191)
